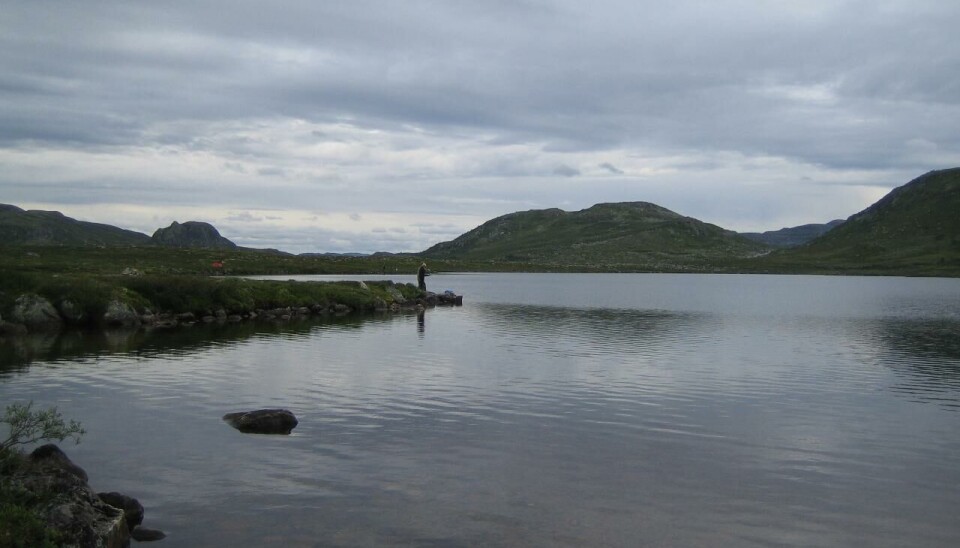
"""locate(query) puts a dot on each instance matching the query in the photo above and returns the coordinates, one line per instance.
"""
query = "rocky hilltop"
(191, 234)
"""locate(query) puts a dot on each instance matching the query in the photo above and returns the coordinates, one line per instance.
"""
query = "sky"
(362, 126)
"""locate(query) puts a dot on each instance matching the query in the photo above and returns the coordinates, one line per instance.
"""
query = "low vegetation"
(89, 293)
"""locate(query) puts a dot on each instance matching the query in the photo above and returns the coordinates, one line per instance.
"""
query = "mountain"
(914, 229)
(630, 235)
(191, 234)
(34, 227)
(793, 236)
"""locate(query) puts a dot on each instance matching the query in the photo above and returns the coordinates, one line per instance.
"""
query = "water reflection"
(925, 355)
(17, 352)
(754, 419)
(594, 331)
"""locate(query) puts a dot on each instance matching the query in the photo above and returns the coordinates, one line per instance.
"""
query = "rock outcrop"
(74, 510)
(132, 509)
(191, 234)
(263, 421)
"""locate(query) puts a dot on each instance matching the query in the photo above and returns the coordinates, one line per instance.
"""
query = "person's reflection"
(421, 321)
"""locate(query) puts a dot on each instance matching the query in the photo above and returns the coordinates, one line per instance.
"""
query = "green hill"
(628, 236)
(792, 236)
(19, 227)
(915, 229)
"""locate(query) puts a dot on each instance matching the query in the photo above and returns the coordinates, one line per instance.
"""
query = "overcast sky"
(327, 125)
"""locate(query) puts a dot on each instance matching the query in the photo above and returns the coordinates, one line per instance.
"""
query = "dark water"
(549, 410)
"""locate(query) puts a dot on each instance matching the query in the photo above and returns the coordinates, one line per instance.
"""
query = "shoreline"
(168, 302)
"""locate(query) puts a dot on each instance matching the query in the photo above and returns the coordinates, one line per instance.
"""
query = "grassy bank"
(89, 294)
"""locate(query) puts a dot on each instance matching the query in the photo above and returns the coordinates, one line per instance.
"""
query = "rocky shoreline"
(77, 514)
(32, 313)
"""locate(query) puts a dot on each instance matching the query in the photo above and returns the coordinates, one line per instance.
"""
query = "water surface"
(549, 410)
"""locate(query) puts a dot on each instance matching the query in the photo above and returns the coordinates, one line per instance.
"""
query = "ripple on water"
(540, 426)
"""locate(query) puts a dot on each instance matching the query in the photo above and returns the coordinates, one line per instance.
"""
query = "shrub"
(21, 523)
(28, 426)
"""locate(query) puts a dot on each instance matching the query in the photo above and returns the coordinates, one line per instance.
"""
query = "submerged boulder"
(263, 421)
(142, 534)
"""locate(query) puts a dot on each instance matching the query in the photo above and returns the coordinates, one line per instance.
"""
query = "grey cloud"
(244, 217)
(566, 171)
(611, 168)
(846, 86)
(624, 76)
(272, 172)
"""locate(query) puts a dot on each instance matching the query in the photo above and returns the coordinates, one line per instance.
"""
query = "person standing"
(422, 274)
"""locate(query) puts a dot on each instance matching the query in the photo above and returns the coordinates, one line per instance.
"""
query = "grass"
(201, 295)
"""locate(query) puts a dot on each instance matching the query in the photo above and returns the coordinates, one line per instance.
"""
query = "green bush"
(27, 426)
(22, 525)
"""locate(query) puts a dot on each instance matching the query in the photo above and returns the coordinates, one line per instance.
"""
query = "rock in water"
(262, 421)
(132, 509)
(74, 511)
(142, 534)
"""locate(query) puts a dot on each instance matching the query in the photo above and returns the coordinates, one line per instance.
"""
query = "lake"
(549, 410)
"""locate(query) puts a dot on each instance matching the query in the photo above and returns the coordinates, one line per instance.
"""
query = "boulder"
(74, 510)
(121, 314)
(51, 456)
(132, 509)
(450, 298)
(35, 312)
(262, 421)
(186, 317)
(396, 295)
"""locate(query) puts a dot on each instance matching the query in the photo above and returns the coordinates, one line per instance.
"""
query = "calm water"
(549, 410)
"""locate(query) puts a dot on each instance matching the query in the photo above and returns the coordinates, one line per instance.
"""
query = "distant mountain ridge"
(913, 230)
(632, 234)
(35, 227)
(52, 228)
(792, 236)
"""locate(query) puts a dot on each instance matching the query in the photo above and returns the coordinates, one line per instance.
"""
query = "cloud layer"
(363, 126)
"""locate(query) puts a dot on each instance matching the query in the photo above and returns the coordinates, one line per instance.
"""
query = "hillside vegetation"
(792, 236)
(53, 228)
(616, 236)
(915, 229)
